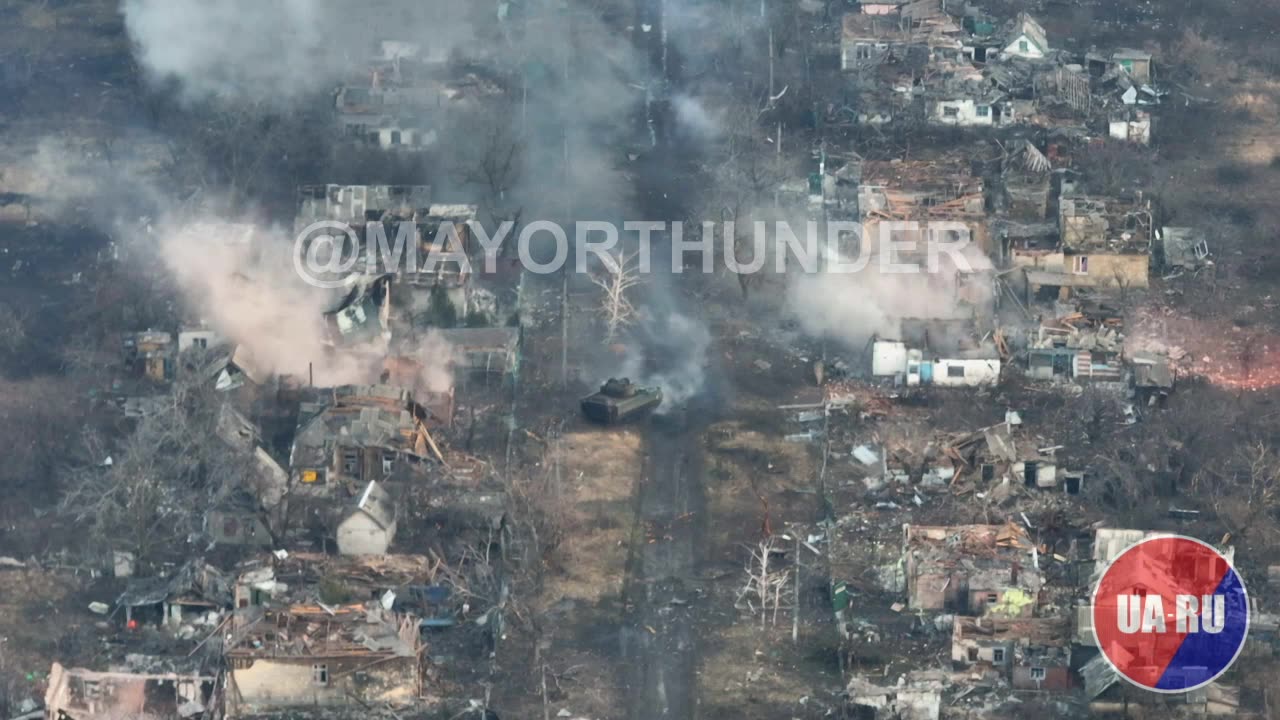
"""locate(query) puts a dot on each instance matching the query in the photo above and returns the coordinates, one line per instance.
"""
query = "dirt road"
(659, 643)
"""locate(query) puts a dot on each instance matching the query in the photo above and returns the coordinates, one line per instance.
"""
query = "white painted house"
(1027, 40)
(965, 371)
(963, 368)
(984, 109)
(371, 527)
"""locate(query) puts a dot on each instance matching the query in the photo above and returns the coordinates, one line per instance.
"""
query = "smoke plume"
(852, 307)
(281, 50)
(674, 357)
(233, 276)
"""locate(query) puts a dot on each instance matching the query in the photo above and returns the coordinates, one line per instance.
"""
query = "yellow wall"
(271, 683)
(1113, 270)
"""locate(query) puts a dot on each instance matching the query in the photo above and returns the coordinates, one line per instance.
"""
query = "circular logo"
(1170, 614)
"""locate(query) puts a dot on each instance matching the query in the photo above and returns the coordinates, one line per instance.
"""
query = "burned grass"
(599, 474)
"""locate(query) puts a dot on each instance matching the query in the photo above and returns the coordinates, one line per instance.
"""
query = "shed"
(1183, 247)
(370, 528)
(1027, 40)
(1135, 62)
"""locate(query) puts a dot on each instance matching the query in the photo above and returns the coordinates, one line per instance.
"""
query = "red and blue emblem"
(1170, 614)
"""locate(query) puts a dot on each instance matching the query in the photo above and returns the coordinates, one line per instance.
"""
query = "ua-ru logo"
(1170, 614)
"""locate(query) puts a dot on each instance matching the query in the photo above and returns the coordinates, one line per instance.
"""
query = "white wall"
(976, 372)
(187, 338)
(966, 113)
(1138, 131)
(360, 535)
(874, 53)
(409, 138)
(1032, 52)
(1046, 473)
(888, 358)
(277, 684)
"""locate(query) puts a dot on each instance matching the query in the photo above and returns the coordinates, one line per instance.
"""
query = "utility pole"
(568, 218)
(770, 62)
(795, 598)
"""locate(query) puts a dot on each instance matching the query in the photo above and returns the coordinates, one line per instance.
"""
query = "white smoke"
(278, 50)
(250, 293)
(675, 358)
(852, 307)
(693, 118)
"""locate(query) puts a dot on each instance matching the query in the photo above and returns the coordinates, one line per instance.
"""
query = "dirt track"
(659, 644)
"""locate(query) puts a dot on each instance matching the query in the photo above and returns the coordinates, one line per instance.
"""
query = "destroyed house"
(319, 656)
(416, 376)
(1152, 376)
(185, 596)
(1105, 243)
(868, 40)
(973, 570)
(362, 312)
(399, 234)
(442, 230)
(164, 689)
(238, 519)
(944, 189)
(915, 696)
(485, 351)
(1027, 185)
(1032, 653)
(1182, 248)
(942, 359)
(391, 106)
(1073, 348)
(1024, 231)
(280, 581)
(998, 456)
(362, 433)
(881, 7)
(199, 337)
(421, 586)
(1108, 544)
(150, 354)
(1026, 39)
(1131, 125)
(401, 96)
(1108, 698)
(247, 511)
(356, 205)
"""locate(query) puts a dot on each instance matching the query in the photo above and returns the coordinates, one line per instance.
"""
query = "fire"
(1236, 378)
(1226, 355)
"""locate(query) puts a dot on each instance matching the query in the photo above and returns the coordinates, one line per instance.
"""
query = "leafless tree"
(747, 172)
(492, 158)
(765, 588)
(246, 151)
(1244, 494)
(36, 422)
(621, 273)
(1201, 58)
(145, 492)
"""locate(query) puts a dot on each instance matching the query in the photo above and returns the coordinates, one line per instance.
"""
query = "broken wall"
(262, 684)
(1126, 270)
(1050, 677)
